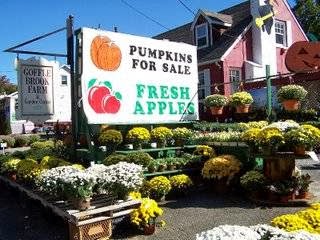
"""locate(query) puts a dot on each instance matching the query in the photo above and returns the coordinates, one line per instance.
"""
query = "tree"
(6, 86)
(308, 14)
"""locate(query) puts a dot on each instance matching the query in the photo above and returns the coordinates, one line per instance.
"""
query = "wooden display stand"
(92, 224)
(279, 166)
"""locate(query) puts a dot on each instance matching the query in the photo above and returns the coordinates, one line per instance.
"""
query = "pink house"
(232, 48)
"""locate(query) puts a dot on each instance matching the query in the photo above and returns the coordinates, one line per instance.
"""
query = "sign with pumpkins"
(131, 79)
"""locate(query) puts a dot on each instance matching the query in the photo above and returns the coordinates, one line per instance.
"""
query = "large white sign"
(131, 79)
(35, 88)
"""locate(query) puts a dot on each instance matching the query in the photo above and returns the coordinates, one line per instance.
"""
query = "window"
(234, 78)
(204, 88)
(281, 32)
(64, 80)
(202, 35)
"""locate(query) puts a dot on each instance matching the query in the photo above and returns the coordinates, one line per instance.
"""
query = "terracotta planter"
(179, 142)
(137, 146)
(286, 198)
(299, 150)
(291, 104)
(216, 110)
(302, 195)
(149, 229)
(12, 176)
(242, 108)
(81, 203)
(161, 144)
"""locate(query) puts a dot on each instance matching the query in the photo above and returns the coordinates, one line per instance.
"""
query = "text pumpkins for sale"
(131, 79)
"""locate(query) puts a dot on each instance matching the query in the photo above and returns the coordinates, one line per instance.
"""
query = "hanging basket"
(216, 110)
(291, 105)
(244, 108)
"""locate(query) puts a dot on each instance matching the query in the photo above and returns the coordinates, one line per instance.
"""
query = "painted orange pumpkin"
(105, 54)
(303, 56)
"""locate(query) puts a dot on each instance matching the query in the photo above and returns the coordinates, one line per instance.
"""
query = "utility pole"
(269, 93)
(74, 85)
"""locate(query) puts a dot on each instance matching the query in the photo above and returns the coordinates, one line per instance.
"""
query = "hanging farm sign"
(131, 79)
(35, 84)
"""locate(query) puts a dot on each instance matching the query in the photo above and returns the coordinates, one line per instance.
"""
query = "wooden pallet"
(92, 224)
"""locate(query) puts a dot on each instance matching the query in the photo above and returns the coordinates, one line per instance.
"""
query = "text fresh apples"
(101, 99)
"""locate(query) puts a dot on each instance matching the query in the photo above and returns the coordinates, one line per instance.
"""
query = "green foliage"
(253, 181)
(240, 98)
(181, 133)
(110, 137)
(10, 165)
(41, 145)
(28, 170)
(114, 159)
(5, 127)
(52, 162)
(6, 86)
(8, 139)
(140, 158)
(303, 115)
(292, 91)
(21, 140)
(19, 154)
(308, 14)
(218, 127)
(34, 138)
(215, 100)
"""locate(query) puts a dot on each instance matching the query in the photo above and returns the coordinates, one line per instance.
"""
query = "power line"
(186, 7)
(143, 14)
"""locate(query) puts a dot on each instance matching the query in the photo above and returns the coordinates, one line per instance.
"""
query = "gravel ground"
(21, 219)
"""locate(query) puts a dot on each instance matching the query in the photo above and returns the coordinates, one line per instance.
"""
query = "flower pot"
(286, 198)
(302, 195)
(299, 150)
(137, 146)
(161, 144)
(291, 104)
(12, 176)
(149, 229)
(81, 203)
(244, 108)
(171, 167)
(216, 110)
(162, 168)
(179, 142)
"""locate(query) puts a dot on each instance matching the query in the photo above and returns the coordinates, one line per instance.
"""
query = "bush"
(21, 140)
(110, 137)
(42, 145)
(52, 162)
(114, 159)
(9, 140)
(253, 181)
(292, 91)
(139, 158)
(28, 170)
(34, 138)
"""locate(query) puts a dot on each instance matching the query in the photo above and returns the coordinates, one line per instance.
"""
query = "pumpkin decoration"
(303, 56)
(105, 54)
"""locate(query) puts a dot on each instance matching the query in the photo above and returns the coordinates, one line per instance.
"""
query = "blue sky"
(23, 20)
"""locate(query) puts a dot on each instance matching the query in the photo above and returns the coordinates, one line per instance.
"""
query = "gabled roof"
(240, 18)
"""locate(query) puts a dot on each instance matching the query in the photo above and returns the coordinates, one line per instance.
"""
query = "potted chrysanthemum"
(216, 102)
(137, 136)
(291, 95)
(161, 135)
(241, 101)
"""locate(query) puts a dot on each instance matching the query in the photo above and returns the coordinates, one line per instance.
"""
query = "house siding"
(283, 14)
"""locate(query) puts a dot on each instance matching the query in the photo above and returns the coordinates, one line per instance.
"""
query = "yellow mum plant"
(161, 134)
(138, 134)
(146, 214)
(180, 182)
(159, 186)
(308, 220)
(251, 136)
(28, 170)
(205, 151)
(226, 166)
(271, 137)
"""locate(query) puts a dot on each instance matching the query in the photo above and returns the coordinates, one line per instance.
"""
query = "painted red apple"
(110, 104)
(95, 97)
